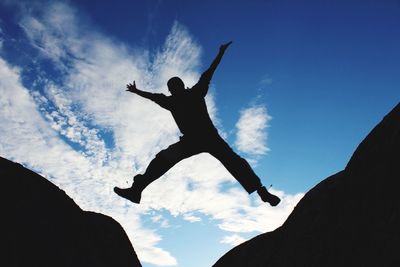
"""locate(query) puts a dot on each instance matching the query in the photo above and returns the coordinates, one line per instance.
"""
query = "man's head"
(175, 85)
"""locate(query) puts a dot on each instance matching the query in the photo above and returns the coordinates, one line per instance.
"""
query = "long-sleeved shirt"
(189, 108)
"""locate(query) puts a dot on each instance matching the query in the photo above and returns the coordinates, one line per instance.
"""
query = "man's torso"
(190, 113)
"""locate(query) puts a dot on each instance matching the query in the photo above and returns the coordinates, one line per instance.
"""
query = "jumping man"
(189, 110)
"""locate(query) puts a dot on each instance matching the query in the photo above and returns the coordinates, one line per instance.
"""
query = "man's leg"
(242, 171)
(162, 162)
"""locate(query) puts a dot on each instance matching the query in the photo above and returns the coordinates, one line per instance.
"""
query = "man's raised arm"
(207, 75)
(160, 99)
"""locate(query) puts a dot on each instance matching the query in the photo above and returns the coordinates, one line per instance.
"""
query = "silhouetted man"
(189, 110)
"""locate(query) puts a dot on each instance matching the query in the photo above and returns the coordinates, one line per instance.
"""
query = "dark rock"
(42, 226)
(349, 219)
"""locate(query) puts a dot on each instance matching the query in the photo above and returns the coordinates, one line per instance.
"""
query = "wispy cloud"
(1, 38)
(85, 133)
(266, 80)
(28, 138)
(191, 218)
(160, 220)
(251, 128)
(233, 240)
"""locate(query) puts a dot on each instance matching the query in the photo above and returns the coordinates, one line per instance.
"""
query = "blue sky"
(300, 87)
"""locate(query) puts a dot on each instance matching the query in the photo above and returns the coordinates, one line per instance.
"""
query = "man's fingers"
(225, 46)
(131, 86)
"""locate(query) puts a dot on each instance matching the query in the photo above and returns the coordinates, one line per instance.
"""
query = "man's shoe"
(268, 197)
(132, 193)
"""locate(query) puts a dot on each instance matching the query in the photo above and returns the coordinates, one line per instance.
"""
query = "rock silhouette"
(42, 226)
(351, 218)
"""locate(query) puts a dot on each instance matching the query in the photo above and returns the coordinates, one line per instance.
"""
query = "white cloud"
(191, 218)
(27, 138)
(59, 130)
(233, 240)
(251, 130)
(261, 217)
(23, 127)
(160, 220)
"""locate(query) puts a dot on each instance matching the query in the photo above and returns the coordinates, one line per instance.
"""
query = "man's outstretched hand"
(131, 87)
(223, 47)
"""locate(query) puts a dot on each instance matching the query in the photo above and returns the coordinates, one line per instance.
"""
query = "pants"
(187, 147)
